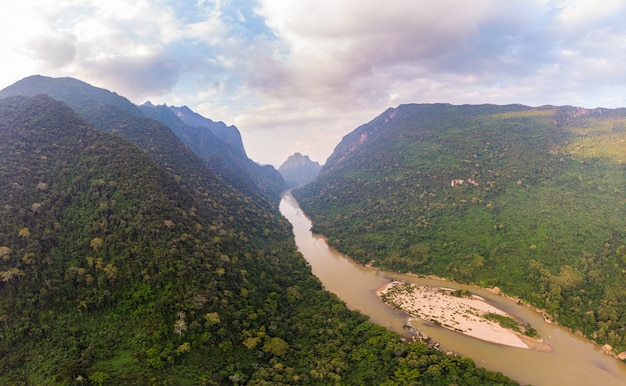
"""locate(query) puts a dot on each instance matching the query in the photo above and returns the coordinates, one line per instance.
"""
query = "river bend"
(573, 360)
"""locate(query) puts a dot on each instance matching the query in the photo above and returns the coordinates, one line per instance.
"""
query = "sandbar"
(461, 314)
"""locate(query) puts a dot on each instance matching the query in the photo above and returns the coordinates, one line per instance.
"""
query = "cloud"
(351, 59)
(313, 70)
(580, 17)
(350, 46)
(135, 76)
(54, 50)
(139, 48)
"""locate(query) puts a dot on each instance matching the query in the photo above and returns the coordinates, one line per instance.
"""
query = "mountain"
(228, 134)
(120, 266)
(220, 158)
(111, 112)
(298, 169)
(220, 146)
(103, 253)
(153, 137)
(530, 200)
(81, 96)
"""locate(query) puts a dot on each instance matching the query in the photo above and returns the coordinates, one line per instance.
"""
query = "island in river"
(462, 312)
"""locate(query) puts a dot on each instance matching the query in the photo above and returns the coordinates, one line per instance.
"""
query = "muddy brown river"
(573, 360)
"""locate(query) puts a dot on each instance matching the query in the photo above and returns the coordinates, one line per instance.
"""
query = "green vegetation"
(224, 154)
(511, 324)
(461, 293)
(531, 200)
(504, 321)
(171, 143)
(121, 265)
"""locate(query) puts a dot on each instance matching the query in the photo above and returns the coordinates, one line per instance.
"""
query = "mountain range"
(128, 258)
(529, 200)
(214, 143)
(220, 146)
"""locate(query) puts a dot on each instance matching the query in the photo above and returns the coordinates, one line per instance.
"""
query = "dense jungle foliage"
(115, 270)
(532, 200)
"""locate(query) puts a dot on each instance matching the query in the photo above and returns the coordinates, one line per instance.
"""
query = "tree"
(10, 274)
(24, 233)
(5, 253)
(276, 346)
(99, 377)
(96, 243)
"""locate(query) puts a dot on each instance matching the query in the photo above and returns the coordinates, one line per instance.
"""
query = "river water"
(573, 360)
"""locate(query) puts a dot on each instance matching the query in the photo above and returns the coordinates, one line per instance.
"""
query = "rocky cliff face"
(299, 169)
(353, 141)
(198, 135)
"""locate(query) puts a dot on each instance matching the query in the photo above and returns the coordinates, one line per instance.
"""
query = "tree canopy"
(530, 200)
(121, 265)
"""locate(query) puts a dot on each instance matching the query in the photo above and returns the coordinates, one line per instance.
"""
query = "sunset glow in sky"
(299, 75)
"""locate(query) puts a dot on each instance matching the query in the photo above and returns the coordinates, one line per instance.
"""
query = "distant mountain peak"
(299, 169)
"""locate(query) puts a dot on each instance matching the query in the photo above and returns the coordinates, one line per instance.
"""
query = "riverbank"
(573, 361)
(464, 314)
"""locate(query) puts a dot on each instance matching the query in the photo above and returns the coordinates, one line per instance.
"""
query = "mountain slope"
(299, 170)
(228, 134)
(265, 177)
(79, 95)
(111, 112)
(96, 233)
(527, 199)
(220, 147)
(113, 271)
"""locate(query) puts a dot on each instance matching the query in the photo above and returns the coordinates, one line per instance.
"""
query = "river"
(574, 360)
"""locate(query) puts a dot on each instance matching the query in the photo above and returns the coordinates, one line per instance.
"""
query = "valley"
(529, 200)
(150, 234)
(563, 357)
(277, 193)
(128, 258)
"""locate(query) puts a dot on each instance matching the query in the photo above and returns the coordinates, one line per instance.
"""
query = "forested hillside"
(165, 138)
(117, 268)
(220, 147)
(531, 200)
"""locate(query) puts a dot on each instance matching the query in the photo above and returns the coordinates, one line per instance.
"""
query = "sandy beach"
(462, 314)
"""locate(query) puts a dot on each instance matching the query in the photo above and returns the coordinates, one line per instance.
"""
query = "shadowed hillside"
(221, 147)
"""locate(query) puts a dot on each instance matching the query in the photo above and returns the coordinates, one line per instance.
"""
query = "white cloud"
(313, 70)
(581, 16)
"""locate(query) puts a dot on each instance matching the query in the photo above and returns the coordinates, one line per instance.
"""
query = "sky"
(296, 76)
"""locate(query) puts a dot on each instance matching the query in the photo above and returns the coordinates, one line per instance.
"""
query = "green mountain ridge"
(109, 111)
(80, 95)
(530, 200)
(123, 265)
(228, 134)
